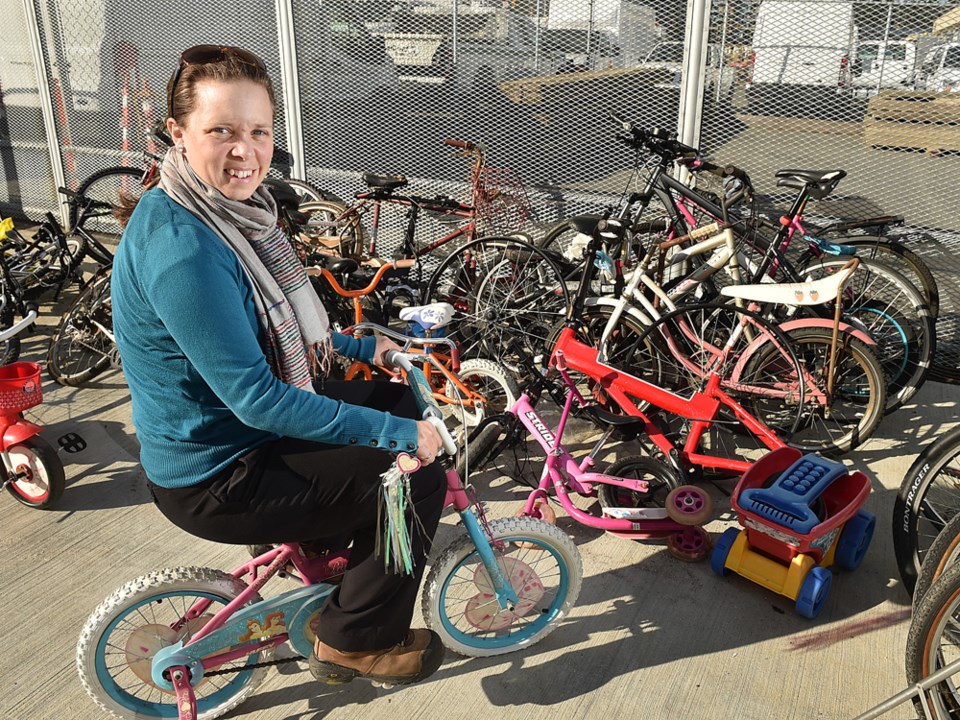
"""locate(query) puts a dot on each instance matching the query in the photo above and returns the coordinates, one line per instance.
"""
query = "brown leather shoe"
(410, 661)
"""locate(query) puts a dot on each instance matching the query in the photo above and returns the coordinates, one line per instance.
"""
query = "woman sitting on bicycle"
(224, 346)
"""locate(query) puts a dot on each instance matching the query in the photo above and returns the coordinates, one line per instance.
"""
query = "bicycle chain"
(255, 666)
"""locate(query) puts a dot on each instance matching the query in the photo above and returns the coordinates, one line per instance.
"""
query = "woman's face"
(228, 138)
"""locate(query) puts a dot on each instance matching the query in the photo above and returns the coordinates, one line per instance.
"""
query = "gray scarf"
(296, 323)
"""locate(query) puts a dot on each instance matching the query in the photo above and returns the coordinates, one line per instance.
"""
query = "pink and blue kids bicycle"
(194, 642)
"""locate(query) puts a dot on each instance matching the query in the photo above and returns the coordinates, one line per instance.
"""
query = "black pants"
(293, 490)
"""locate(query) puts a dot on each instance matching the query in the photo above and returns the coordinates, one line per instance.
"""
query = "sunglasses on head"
(204, 55)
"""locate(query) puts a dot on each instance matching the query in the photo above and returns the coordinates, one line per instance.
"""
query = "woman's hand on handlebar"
(428, 442)
(384, 345)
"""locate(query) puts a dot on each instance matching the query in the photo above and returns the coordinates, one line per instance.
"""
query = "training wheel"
(689, 505)
(541, 511)
(691, 544)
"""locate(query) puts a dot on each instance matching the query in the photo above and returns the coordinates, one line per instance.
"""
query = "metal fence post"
(290, 87)
(693, 73)
(46, 100)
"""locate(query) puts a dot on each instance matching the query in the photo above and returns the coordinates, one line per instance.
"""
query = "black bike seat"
(340, 265)
(586, 224)
(817, 183)
(384, 182)
(285, 196)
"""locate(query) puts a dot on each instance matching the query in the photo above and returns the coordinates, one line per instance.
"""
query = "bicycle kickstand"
(186, 700)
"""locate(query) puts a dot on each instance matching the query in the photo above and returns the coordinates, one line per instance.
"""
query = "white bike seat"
(814, 292)
(430, 317)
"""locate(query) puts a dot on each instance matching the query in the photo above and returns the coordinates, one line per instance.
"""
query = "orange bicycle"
(473, 389)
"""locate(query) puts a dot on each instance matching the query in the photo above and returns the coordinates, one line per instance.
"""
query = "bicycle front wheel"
(932, 643)
(121, 637)
(82, 346)
(544, 569)
(9, 348)
(752, 359)
(928, 498)
(503, 289)
(494, 391)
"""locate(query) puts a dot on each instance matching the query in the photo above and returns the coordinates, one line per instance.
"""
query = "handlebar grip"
(462, 144)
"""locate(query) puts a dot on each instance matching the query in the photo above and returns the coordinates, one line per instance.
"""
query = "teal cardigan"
(193, 355)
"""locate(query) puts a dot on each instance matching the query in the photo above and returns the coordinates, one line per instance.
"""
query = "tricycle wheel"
(814, 592)
(855, 539)
(718, 559)
(690, 544)
(40, 478)
(689, 505)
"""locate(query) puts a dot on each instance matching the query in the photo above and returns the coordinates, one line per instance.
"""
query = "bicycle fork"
(476, 527)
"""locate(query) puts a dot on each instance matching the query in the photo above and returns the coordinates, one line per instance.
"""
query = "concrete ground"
(650, 636)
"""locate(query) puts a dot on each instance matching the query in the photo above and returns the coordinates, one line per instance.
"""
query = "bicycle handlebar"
(401, 264)
(417, 382)
(461, 144)
(23, 324)
(657, 140)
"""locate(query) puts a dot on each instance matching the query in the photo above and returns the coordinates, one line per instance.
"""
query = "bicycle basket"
(500, 201)
(19, 386)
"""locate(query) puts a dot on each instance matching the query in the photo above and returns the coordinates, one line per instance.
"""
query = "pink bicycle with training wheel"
(658, 506)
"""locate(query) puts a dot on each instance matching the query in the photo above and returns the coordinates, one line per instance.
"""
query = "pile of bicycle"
(727, 344)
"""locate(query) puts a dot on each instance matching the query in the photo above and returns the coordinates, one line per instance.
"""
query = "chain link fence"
(377, 85)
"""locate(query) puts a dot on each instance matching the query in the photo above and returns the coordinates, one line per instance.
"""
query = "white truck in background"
(492, 45)
(802, 53)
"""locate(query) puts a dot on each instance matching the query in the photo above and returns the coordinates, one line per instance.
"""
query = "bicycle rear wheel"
(933, 643)
(928, 498)
(331, 226)
(124, 633)
(503, 290)
(894, 313)
(107, 186)
(943, 552)
(82, 346)
(832, 424)
(898, 256)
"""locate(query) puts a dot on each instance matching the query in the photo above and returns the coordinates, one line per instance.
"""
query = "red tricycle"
(33, 472)
(800, 515)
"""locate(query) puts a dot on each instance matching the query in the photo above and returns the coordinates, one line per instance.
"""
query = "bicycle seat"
(335, 264)
(817, 183)
(284, 195)
(429, 317)
(586, 224)
(384, 182)
(814, 292)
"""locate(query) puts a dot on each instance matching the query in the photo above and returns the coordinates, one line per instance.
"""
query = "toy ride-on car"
(800, 515)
